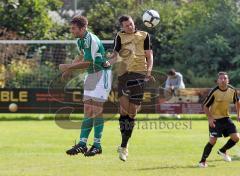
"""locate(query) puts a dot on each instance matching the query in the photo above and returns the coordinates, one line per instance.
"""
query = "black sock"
(207, 150)
(230, 143)
(128, 125)
(122, 124)
(122, 120)
(124, 140)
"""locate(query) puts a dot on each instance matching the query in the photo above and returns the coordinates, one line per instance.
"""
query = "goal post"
(34, 63)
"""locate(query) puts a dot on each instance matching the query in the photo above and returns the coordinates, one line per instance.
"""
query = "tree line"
(198, 38)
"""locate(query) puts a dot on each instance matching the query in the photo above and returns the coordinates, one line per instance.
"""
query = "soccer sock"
(207, 150)
(122, 120)
(98, 129)
(128, 125)
(86, 128)
(230, 143)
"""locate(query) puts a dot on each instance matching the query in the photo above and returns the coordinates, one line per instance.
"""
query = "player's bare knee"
(212, 140)
(132, 115)
(235, 137)
(123, 111)
(213, 143)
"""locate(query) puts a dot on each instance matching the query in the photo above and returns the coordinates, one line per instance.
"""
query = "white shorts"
(97, 86)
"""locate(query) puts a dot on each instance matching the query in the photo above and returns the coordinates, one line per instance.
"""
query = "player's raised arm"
(149, 55)
(149, 59)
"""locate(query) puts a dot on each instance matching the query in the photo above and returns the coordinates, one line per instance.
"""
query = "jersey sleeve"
(117, 43)
(147, 43)
(209, 99)
(235, 97)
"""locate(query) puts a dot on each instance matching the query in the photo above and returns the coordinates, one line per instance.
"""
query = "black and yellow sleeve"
(210, 98)
(235, 97)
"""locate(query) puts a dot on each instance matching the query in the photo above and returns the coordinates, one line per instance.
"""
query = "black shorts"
(131, 85)
(223, 127)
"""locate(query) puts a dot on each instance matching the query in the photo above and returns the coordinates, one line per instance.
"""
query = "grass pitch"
(37, 148)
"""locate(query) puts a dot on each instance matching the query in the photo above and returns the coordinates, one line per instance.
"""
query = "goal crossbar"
(46, 41)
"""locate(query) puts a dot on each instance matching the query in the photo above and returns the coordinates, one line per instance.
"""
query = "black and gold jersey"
(131, 51)
(218, 101)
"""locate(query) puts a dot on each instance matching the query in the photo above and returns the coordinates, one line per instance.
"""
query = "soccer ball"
(13, 107)
(150, 18)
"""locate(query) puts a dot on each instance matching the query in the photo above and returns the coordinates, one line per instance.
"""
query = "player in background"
(216, 107)
(133, 49)
(97, 85)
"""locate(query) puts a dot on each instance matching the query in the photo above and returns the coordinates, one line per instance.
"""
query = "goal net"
(34, 63)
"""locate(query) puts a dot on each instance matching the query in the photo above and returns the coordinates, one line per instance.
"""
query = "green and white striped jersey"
(93, 51)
